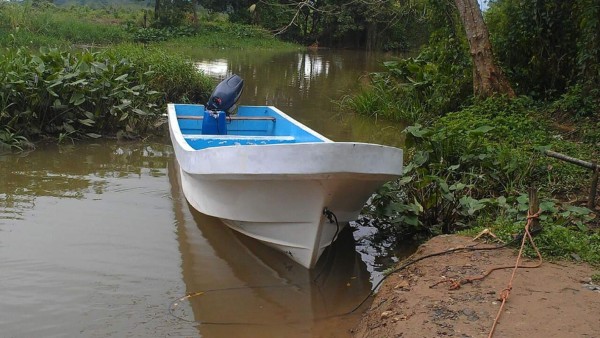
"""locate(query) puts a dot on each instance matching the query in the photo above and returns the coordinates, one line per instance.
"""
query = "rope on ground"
(418, 259)
(506, 292)
(456, 284)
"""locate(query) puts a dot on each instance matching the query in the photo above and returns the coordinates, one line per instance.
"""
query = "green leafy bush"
(420, 89)
(64, 94)
(470, 169)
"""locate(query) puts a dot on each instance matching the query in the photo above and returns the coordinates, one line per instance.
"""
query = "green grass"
(227, 36)
(25, 25)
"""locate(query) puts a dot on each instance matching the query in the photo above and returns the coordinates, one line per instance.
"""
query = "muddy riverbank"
(557, 299)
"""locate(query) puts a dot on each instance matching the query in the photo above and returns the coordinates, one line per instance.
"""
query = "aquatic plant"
(11, 140)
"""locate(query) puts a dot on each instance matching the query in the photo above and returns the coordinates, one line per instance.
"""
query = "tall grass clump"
(418, 89)
(44, 24)
(62, 25)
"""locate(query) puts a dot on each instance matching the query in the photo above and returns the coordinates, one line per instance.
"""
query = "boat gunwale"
(180, 137)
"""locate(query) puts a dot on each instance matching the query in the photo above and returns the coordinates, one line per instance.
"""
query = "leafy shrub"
(468, 167)
(173, 75)
(417, 90)
(83, 93)
(65, 94)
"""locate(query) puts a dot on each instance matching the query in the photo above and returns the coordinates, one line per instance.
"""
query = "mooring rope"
(506, 292)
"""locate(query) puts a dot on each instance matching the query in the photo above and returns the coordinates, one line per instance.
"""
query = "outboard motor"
(221, 103)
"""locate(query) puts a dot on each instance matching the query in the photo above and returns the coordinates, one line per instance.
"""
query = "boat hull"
(277, 193)
(282, 211)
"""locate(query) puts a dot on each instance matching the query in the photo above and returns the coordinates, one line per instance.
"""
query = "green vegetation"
(380, 25)
(212, 35)
(470, 160)
(43, 24)
(72, 94)
(77, 72)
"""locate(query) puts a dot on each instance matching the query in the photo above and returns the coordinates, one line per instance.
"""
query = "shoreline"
(418, 301)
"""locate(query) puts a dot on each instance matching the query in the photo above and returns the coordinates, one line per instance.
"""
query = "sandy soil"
(557, 299)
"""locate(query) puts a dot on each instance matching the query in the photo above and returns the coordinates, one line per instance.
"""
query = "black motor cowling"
(226, 94)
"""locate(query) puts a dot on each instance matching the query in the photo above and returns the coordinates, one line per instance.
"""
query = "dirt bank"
(557, 299)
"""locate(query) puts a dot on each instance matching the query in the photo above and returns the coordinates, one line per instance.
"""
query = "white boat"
(272, 178)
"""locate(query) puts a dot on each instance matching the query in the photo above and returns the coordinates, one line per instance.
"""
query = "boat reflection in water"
(242, 288)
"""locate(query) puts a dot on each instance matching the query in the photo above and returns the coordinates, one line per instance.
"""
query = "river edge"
(558, 299)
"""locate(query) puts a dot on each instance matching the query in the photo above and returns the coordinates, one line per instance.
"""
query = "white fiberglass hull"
(277, 193)
(281, 204)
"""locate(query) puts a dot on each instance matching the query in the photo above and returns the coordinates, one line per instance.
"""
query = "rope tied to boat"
(506, 291)
(332, 219)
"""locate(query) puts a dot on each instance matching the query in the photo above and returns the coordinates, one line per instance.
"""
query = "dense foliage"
(76, 94)
(471, 162)
(386, 24)
(548, 46)
(76, 72)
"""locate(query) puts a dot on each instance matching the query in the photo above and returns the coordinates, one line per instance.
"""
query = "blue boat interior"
(252, 125)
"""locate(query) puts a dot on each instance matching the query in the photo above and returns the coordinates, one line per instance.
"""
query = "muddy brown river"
(97, 240)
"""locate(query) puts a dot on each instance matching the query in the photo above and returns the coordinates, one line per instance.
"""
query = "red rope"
(506, 292)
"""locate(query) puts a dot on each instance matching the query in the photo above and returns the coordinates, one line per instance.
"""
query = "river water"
(97, 240)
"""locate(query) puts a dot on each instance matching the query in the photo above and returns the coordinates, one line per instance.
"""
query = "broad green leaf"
(80, 81)
(523, 199)
(406, 179)
(87, 122)
(457, 186)
(68, 128)
(548, 206)
(99, 65)
(411, 220)
(52, 92)
(77, 99)
(416, 130)
(481, 130)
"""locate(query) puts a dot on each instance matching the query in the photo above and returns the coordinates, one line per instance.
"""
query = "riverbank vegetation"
(79, 72)
(472, 158)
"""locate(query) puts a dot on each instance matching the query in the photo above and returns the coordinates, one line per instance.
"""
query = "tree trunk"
(371, 41)
(488, 79)
(156, 9)
(195, 13)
